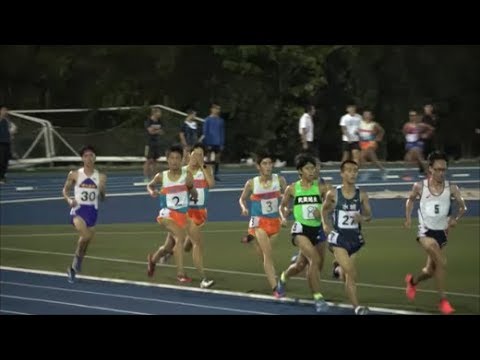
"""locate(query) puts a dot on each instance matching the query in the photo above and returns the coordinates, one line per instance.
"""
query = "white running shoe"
(206, 284)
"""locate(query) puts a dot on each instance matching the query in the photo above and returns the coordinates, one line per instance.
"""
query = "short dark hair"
(309, 107)
(175, 148)
(199, 145)
(191, 111)
(342, 165)
(86, 148)
(259, 157)
(303, 159)
(436, 155)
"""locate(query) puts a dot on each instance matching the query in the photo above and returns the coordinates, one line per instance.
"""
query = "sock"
(336, 270)
(283, 277)
(412, 282)
(77, 263)
(317, 296)
(217, 165)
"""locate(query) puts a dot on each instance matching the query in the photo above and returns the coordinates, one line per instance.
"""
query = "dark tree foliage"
(262, 88)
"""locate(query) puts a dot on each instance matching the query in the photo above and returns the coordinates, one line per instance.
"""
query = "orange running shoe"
(445, 307)
(411, 290)
(184, 279)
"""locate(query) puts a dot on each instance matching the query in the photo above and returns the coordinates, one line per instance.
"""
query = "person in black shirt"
(7, 129)
(189, 132)
(153, 130)
(430, 118)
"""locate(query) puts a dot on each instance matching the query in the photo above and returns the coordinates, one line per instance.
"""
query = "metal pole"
(35, 142)
(65, 142)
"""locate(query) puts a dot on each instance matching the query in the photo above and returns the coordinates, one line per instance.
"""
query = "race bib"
(346, 219)
(436, 209)
(297, 228)
(269, 206)
(308, 211)
(200, 199)
(87, 196)
(164, 213)
(332, 237)
(254, 222)
(177, 201)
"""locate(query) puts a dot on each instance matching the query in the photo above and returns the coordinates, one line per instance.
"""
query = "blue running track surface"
(41, 293)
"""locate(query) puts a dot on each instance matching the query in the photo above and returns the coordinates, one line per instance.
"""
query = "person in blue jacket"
(214, 137)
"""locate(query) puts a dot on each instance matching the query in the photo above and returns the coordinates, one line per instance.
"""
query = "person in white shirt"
(350, 124)
(435, 218)
(89, 187)
(305, 129)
